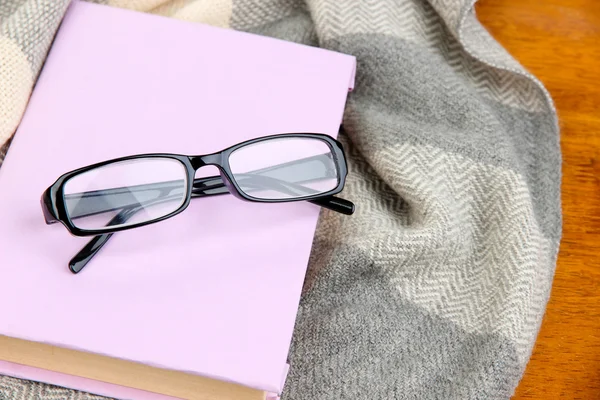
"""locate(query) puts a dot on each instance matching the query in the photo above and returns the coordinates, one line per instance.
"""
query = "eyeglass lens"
(142, 189)
(284, 168)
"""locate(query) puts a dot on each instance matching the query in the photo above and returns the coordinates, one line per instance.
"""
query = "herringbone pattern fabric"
(420, 22)
(436, 287)
(16, 389)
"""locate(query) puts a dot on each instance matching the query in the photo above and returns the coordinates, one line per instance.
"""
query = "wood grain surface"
(559, 42)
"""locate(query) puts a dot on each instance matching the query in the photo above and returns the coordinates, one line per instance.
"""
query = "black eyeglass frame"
(55, 210)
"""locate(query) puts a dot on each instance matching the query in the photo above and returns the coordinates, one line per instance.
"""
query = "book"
(178, 310)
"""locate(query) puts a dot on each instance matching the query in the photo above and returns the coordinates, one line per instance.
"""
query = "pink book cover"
(213, 291)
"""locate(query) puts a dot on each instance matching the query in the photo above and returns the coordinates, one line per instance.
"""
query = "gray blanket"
(436, 287)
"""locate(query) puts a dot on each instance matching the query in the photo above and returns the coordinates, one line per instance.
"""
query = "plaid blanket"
(436, 287)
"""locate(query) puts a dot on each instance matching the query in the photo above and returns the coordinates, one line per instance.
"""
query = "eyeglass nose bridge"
(215, 159)
(207, 159)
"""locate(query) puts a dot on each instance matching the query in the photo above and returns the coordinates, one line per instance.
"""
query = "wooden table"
(559, 42)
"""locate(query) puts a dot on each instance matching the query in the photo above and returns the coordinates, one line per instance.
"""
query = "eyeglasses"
(129, 192)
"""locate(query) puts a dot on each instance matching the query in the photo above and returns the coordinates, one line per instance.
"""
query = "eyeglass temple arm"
(84, 255)
(201, 188)
(95, 244)
(335, 204)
